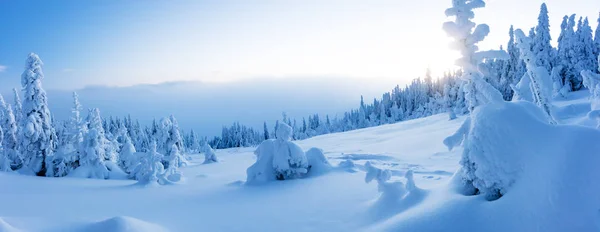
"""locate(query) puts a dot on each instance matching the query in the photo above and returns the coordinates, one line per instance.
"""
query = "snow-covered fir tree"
(76, 127)
(539, 76)
(209, 154)
(542, 49)
(18, 106)
(10, 143)
(150, 168)
(37, 135)
(466, 35)
(4, 161)
(127, 156)
(93, 154)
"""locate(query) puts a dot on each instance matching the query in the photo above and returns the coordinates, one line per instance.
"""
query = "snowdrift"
(545, 173)
(5, 227)
(122, 224)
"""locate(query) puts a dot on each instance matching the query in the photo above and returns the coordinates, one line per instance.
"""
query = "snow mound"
(542, 172)
(123, 224)
(396, 196)
(5, 227)
(317, 163)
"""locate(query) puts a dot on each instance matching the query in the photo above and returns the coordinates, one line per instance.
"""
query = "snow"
(214, 198)
(545, 182)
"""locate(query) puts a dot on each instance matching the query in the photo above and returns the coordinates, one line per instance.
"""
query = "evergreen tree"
(9, 142)
(37, 136)
(465, 40)
(585, 48)
(77, 129)
(4, 161)
(597, 37)
(18, 107)
(542, 49)
(538, 75)
(265, 131)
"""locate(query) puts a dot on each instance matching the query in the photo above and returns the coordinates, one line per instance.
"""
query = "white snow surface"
(558, 194)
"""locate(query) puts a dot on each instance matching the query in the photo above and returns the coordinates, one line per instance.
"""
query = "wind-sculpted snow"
(5, 227)
(539, 174)
(122, 224)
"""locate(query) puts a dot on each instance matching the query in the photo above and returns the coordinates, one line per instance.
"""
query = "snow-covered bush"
(493, 145)
(317, 162)
(278, 159)
(209, 154)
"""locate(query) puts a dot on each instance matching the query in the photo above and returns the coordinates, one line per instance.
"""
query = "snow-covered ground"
(213, 196)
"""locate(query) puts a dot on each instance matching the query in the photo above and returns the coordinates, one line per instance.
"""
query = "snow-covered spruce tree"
(484, 94)
(194, 142)
(278, 159)
(150, 168)
(478, 91)
(10, 143)
(18, 106)
(585, 48)
(265, 131)
(37, 136)
(76, 127)
(172, 173)
(4, 161)
(94, 160)
(591, 80)
(209, 154)
(597, 38)
(168, 135)
(566, 55)
(127, 157)
(542, 49)
(175, 139)
(540, 79)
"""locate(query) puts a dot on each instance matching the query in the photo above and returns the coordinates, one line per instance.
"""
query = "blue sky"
(121, 43)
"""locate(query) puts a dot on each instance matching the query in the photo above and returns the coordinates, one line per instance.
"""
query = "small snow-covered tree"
(172, 172)
(4, 161)
(10, 143)
(591, 80)
(76, 129)
(93, 150)
(18, 106)
(127, 156)
(540, 86)
(278, 159)
(37, 135)
(209, 154)
(170, 136)
(150, 169)
(478, 91)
